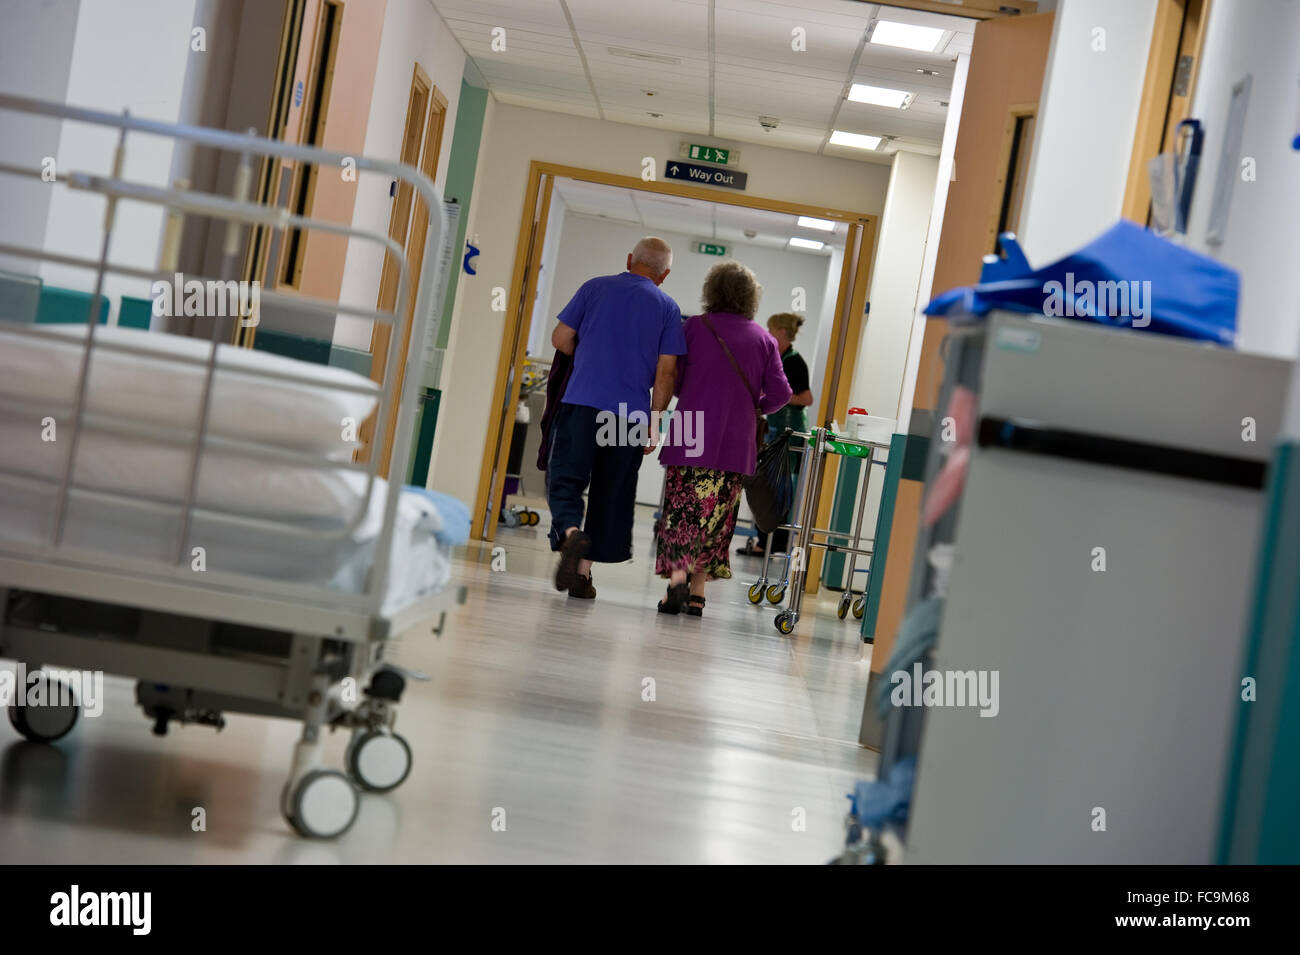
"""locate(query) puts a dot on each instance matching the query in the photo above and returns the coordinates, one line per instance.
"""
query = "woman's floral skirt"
(699, 516)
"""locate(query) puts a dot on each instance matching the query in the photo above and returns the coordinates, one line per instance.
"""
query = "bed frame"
(203, 644)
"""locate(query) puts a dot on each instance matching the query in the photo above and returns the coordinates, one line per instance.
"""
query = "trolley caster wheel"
(51, 720)
(785, 622)
(756, 593)
(775, 594)
(534, 518)
(842, 608)
(858, 609)
(323, 804)
(378, 761)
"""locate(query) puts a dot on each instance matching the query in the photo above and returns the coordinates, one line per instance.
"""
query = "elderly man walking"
(624, 334)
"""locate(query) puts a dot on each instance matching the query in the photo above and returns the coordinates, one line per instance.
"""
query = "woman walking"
(729, 378)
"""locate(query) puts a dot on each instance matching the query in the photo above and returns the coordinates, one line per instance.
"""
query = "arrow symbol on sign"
(673, 168)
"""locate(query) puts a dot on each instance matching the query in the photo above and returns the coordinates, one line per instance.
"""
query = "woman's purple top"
(713, 426)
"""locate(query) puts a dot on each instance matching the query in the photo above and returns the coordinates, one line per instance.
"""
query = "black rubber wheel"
(45, 724)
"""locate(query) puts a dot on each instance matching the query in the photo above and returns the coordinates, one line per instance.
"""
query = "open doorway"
(575, 224)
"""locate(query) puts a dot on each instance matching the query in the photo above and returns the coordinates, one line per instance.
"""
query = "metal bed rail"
(171, 584)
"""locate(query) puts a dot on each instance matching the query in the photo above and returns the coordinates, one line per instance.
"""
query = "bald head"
(651, 257)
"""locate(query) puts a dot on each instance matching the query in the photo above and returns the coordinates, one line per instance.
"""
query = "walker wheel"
(842, 608)
(775, 594)
(858, 609)
(785, 622)
(756, 593)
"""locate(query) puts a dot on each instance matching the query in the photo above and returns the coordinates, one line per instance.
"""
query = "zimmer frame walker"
(818, 444)
(200, 644)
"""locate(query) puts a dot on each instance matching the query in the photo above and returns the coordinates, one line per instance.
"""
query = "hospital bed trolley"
(183, 575)
(818, 444)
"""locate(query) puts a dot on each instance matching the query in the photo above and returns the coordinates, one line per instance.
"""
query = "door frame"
(1178, 33)
(855, 275)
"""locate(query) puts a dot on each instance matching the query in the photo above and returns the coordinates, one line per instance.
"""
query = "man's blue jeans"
(578, 461)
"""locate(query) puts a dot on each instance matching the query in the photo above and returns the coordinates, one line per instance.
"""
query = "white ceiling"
(694, 217)
(715, 66)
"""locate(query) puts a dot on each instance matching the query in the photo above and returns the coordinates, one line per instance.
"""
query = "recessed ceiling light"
(824, 225)
(799, 243)
(879, 96)
(906, 35)
(856, 140)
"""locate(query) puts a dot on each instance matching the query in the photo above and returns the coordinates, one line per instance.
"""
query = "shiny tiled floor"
(535, 715)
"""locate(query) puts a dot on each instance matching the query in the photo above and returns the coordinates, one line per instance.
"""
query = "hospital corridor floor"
(551, 730)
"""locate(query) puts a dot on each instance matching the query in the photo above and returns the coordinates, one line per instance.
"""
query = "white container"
(871, 428)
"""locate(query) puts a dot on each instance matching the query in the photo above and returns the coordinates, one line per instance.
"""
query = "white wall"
(895, 278)
(1087, 117)
(130, 54)
(35, 60)
(1261, 38)
(515, 135)
(544, 309)
(413, 32)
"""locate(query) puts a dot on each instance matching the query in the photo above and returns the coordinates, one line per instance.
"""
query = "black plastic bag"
(769, 491)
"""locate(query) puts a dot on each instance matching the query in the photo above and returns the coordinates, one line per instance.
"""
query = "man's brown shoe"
(582, 588)
(572, 551)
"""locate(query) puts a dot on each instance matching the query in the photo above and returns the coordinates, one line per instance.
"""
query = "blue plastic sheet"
(1128, 276)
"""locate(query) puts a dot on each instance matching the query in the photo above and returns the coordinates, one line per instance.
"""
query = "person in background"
(784, 327)
(624, 334)
(731, 374)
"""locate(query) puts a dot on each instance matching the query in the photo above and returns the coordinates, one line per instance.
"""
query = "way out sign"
(705, 175)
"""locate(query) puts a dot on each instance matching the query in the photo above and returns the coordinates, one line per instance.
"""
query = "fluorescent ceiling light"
(909, 37)
(799, 243)
(824, 225)
(856, 140)
(878, 95)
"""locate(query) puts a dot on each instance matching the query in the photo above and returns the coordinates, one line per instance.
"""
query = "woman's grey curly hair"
(731, 288)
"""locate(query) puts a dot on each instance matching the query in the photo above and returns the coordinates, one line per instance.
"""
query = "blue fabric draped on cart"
(1127, 276)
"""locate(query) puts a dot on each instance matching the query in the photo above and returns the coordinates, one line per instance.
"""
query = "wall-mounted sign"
(706, 175)
(714, 154)
(710, 248)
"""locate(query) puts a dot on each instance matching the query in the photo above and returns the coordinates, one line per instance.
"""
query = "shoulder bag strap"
(734, 364)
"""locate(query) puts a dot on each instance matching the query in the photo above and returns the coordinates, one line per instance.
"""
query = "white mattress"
(311, 416)
(418, 563)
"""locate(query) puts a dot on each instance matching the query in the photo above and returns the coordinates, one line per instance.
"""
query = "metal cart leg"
(810, 479)
(846, 601)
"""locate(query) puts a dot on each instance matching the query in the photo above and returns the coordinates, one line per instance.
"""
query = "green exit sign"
(712, 154)
(709, 248)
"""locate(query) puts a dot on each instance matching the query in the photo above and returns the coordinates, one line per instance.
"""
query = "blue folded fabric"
(886, 801)
(454, 514)
(1158, 286)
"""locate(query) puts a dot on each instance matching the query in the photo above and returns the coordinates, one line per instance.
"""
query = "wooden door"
(407, 225)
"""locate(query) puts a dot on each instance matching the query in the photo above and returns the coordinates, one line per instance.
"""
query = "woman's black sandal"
(673, 600)
(696, 606)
